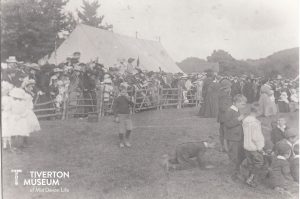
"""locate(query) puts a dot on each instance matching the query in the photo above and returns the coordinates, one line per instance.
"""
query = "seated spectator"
(283, 103)
(278, 130)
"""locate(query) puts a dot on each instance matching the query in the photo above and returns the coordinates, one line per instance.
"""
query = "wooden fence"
(100, 103)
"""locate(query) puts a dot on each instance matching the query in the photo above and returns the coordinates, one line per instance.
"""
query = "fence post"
(101, 101)
(179, 97)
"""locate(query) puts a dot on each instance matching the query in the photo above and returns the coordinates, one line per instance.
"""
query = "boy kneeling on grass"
(189, 155)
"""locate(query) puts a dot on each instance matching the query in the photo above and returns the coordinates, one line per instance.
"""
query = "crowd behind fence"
(94, 104)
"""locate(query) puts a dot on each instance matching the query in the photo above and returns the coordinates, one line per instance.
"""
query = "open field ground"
(100, 169)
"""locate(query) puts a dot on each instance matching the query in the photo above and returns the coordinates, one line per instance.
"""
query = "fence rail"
(100, 102)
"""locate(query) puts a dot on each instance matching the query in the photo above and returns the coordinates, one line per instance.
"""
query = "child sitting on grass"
(279, 171)
(278, 130)
(189, 155)
(254, 143)
(294, 163)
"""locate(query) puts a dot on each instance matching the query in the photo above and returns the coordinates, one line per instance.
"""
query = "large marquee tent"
(108, 47)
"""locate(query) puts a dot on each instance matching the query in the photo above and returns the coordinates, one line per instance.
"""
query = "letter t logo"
(16, 171)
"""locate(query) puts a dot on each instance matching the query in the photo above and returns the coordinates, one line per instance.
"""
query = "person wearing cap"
(225, 101)
(279, 171)
(121, 111)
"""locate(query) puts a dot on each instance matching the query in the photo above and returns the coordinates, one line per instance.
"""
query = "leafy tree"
(90, 17)
(29, 28)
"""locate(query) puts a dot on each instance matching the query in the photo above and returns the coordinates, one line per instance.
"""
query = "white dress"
(6, 105)
(23, 121)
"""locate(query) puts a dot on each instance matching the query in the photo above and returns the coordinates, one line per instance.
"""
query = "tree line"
(31, 29)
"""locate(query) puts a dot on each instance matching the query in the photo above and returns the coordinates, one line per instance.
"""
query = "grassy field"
(100, 169)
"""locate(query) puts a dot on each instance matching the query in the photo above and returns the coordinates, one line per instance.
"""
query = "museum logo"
(42, 181)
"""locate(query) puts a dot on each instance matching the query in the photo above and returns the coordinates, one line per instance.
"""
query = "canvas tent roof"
(109, 47)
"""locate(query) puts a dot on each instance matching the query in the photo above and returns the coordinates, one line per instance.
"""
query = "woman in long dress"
(267, 101)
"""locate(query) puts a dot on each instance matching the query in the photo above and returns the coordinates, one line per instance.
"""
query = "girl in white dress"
(6, 104)
(23, 121)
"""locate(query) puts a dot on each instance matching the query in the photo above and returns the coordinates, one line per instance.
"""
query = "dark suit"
(234, 136)
(236, 88)
(276, 135)
(225, 101)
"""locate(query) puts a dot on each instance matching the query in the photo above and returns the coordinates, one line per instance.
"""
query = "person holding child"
(254, 143)
(234, 132)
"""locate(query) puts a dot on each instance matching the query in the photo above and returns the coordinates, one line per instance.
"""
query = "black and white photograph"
(149, 99)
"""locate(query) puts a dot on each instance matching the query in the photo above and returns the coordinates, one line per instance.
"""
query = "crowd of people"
(222, 97)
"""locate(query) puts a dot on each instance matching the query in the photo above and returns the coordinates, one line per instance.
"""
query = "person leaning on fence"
(254, 143)
(121, 109)
(234, 133)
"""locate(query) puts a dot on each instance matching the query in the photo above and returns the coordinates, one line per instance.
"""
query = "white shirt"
(234, 108)
(253, 137)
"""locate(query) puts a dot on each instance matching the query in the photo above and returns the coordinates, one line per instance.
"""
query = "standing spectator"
(234, 133)
(254, 143)
(122, 116)
(248, 90)
(235, 87)
(267, 101)
(225, 101)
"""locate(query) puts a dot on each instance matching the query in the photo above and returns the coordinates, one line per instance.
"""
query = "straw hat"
(11, 59)
(18, 93)
(107, 81)
(34, 66)
(57, 70)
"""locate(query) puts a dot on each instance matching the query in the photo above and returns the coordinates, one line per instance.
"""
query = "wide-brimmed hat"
(58, 70)
(34, 66)
(11, 59)
(107, 81)
(17, 93)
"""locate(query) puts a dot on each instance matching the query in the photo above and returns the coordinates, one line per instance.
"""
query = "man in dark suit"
(236, 87)
(234, 132)
(225, 101)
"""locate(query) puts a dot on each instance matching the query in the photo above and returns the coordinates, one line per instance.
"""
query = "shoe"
(121, 145)
(127, 144)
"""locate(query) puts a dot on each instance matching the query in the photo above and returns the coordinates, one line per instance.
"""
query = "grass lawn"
(100, 169)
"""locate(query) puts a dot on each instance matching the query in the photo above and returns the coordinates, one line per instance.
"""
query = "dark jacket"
(233, 127)
(276, 135)
(121, 105)
(236, 88)
(225, 101)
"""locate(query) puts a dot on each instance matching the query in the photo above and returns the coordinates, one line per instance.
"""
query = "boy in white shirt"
(254, 143)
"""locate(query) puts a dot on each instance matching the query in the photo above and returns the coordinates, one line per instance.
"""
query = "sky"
(247, 29)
